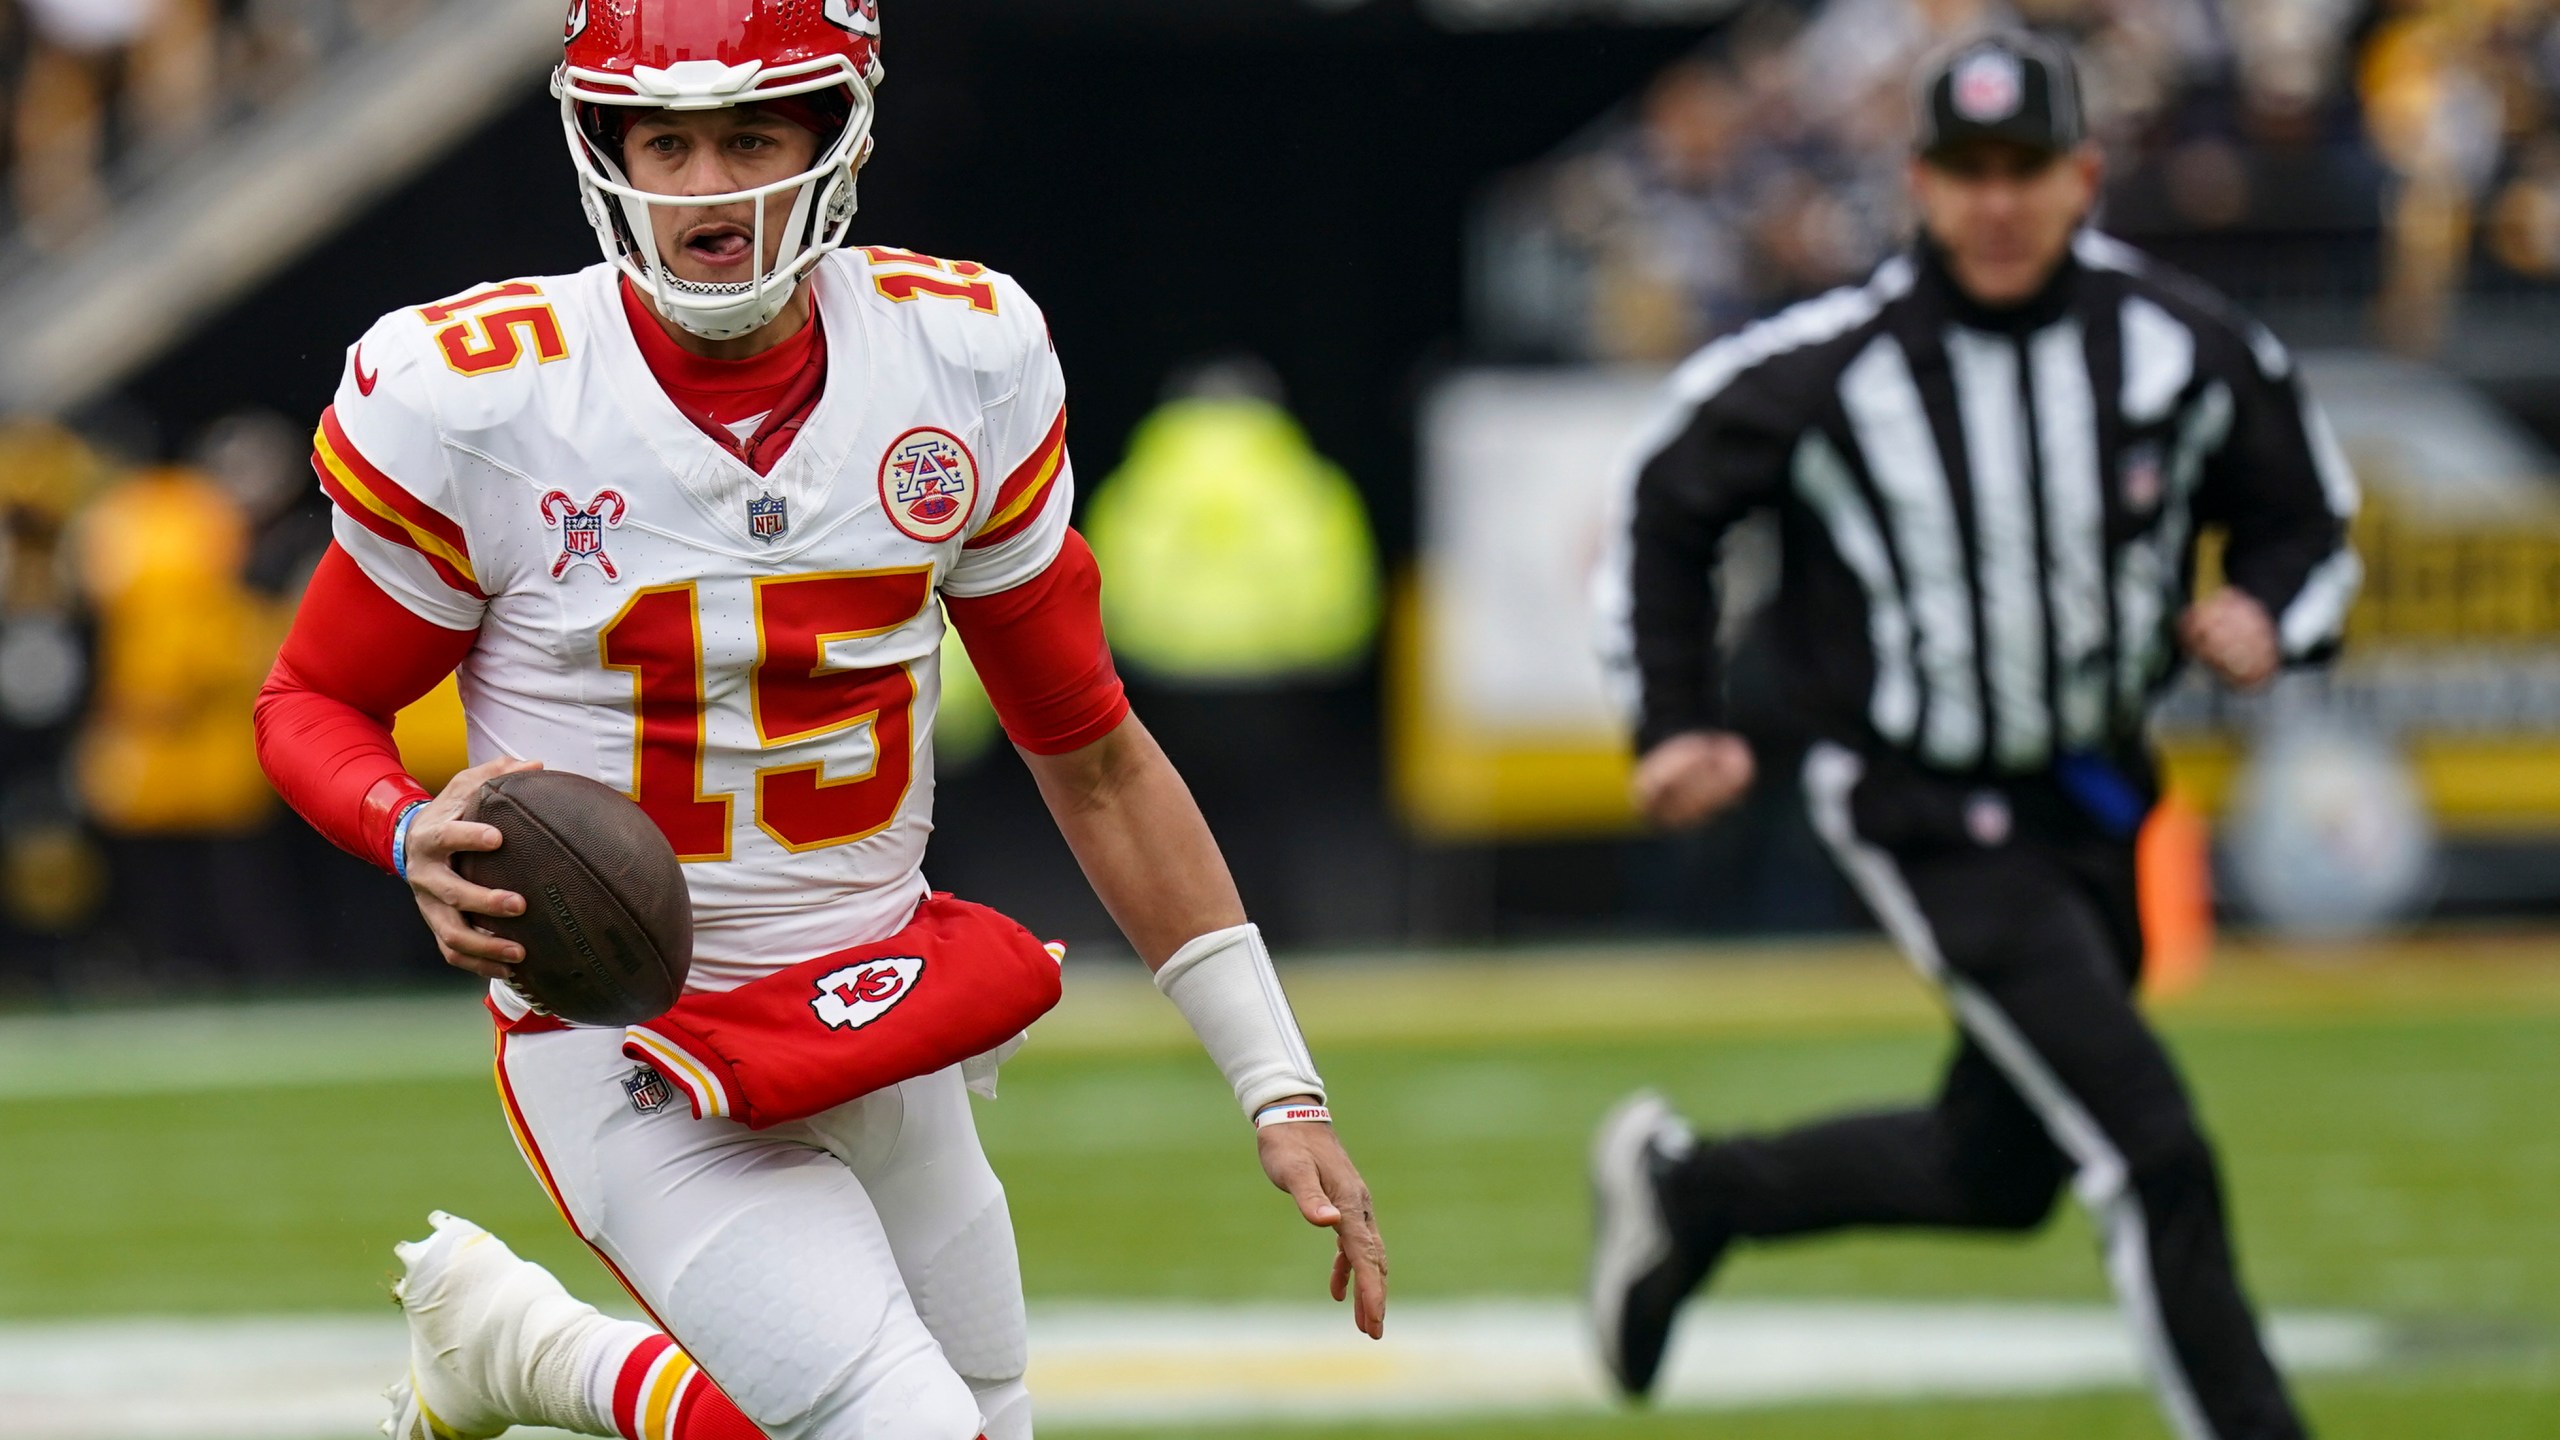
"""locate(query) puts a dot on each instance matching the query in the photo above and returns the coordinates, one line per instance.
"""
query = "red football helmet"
(703, 55)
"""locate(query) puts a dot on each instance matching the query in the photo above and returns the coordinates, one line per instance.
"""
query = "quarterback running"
(691, 522)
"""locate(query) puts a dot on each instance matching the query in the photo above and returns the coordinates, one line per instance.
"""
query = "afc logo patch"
(582, 529)
(648, 1090)
(856, 995)
(928, 484)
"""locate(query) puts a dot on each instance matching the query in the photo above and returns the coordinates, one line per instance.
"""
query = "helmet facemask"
(823, 200)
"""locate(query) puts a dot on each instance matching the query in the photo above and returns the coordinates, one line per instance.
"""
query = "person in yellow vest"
(1238, 556)
(167, 763)
(311, 889)
(183, 647)
(1243, 599)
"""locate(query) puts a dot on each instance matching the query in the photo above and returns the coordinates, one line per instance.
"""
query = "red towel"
(959, 981)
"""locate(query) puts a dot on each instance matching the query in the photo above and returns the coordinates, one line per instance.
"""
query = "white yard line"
(318, 1378)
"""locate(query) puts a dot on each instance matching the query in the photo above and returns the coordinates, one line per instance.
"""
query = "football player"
(690, 522)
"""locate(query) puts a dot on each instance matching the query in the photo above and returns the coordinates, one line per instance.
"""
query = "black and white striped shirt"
(1987, 520)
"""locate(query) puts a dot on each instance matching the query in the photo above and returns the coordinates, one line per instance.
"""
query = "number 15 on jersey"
(795, 695)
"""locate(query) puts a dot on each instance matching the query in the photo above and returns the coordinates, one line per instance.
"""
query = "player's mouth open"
(719, 245)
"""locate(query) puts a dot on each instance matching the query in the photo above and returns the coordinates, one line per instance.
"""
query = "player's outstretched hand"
(436, 835)
(2230, 633)
(1688, 778)
(1308, 1161)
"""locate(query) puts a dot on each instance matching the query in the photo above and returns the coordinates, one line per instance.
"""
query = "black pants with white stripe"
(2036, 940)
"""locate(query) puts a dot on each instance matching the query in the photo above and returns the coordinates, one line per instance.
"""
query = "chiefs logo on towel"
(752, 1055)
(856, 995)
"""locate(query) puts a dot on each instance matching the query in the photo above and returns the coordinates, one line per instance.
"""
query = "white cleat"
(486, 1337)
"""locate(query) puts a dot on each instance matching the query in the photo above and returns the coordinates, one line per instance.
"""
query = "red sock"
(660, 1394)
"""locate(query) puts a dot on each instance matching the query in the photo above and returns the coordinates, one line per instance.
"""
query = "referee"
(1990, 466)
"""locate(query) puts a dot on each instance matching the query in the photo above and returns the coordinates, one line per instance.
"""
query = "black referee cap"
(2009, 86)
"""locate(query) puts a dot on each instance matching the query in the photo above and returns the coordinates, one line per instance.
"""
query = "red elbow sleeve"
(354, 659)
(337, 766)
(1039, 649)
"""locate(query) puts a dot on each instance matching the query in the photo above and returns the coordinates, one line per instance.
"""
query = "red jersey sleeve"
(1040, 651)
(355, 658)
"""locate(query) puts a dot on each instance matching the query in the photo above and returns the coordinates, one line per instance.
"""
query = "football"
(608, 926)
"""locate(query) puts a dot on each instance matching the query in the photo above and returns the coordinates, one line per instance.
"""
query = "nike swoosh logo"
(364, 382)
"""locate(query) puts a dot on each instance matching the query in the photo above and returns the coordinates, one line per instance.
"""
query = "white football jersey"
(751, 658)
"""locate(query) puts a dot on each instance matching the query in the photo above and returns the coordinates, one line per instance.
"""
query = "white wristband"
(1291, 1113)
(1223, 983)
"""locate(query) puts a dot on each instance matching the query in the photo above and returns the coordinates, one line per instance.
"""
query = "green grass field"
(2386, 1126)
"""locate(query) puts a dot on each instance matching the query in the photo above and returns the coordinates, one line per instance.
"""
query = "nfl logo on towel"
(768, 516)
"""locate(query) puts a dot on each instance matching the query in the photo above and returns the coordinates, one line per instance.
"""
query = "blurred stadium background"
(1359, 302)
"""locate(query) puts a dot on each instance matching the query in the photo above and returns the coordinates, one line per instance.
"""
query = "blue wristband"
(400, 838)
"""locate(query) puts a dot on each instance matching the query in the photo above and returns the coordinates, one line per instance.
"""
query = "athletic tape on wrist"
(1223, 983)
(400, 837)
(1291, 1112)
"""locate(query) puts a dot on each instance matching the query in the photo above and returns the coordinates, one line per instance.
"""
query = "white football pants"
(851, 1276)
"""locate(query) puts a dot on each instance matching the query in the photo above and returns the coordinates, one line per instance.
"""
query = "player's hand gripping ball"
(607, 927)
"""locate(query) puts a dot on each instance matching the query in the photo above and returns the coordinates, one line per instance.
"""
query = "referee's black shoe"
(1644, 1261)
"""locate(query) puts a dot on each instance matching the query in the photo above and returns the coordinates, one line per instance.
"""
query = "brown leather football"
(607, 928)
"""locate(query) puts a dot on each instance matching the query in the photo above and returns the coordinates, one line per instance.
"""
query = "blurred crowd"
(140, 608)
(93, 92)
(2420, 135)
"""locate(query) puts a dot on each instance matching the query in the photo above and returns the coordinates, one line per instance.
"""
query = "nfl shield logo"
(582, 529)
(1989, 86)
(648, 1090)
(767, 517)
